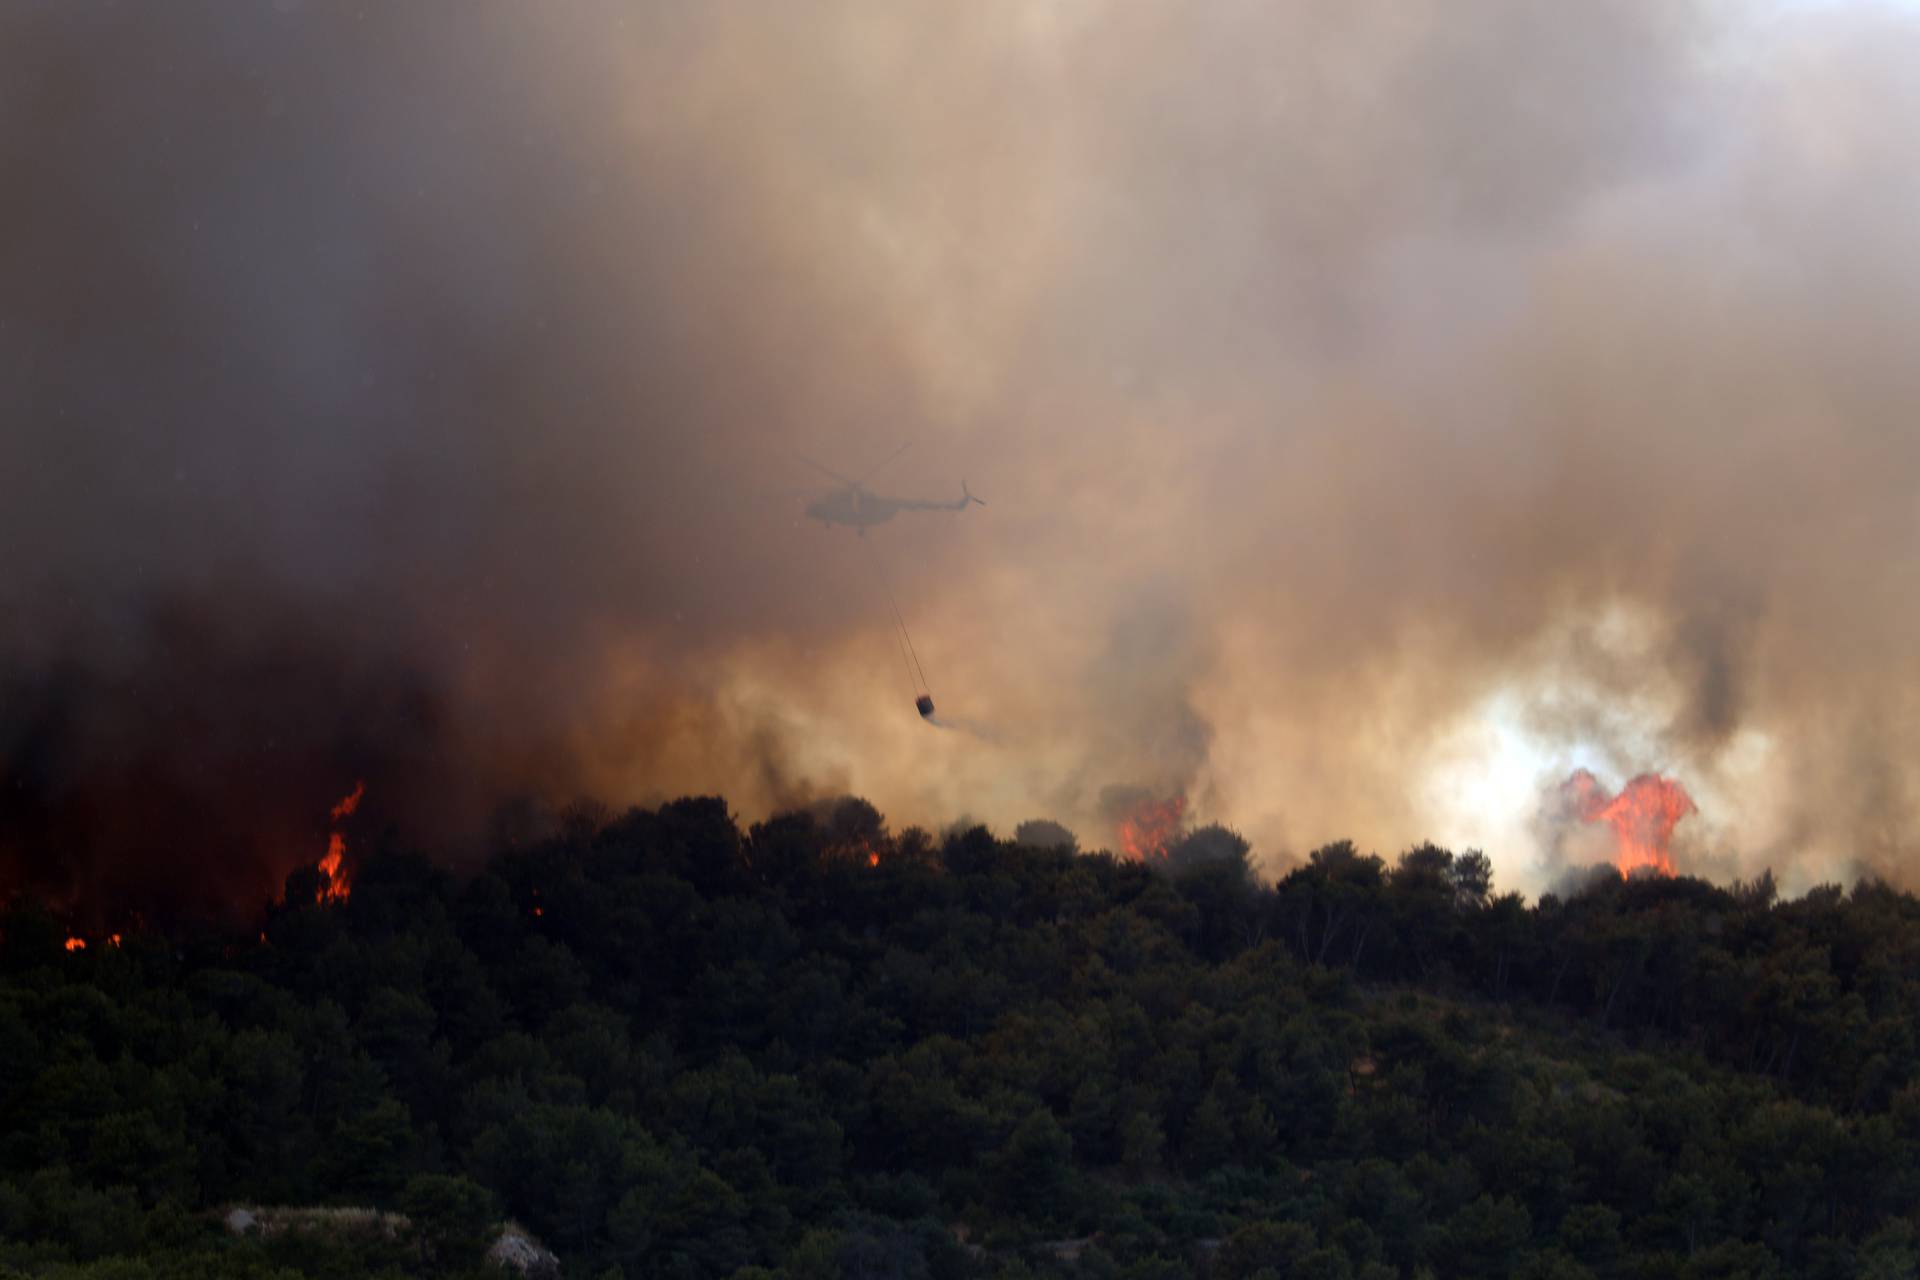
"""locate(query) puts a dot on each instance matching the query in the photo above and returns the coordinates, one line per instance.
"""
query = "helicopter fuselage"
(854, 507)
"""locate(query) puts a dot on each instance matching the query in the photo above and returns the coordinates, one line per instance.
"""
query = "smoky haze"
(1384, 408)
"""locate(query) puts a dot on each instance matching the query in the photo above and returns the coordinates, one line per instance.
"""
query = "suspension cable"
(915, 672)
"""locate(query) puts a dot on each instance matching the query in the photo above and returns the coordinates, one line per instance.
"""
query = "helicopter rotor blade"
(875, 469)
(825, 471)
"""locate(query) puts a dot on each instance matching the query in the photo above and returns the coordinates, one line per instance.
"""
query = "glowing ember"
(113, 940)
(339, 880)
(873, 859)
(1642, 816)
(76, 944)
(1151, 827)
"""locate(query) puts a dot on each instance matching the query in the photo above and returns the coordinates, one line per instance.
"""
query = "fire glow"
(1152, 826)
(339, 881)
(1642, 816)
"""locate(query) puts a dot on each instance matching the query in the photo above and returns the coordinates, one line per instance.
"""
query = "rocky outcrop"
(518, 1252)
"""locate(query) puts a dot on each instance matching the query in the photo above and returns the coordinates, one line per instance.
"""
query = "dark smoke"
(386, 392)
(198, 766)
(354, 407)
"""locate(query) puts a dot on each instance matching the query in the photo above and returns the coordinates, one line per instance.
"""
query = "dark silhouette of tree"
(669, 1047)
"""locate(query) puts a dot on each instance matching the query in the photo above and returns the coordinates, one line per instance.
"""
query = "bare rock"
(519, 1252)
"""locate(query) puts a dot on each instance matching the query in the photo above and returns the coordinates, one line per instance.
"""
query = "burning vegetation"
(1641, 816)
(1151, 827)
(339, 879)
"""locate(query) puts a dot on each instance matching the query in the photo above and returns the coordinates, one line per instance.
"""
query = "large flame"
(1642, 816)
(1151, 826)
(339, 880)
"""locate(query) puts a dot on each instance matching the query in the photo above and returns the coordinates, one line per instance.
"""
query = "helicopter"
(857, 507)
(851, 503)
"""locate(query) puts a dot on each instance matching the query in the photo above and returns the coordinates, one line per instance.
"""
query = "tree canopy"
(671, 1047)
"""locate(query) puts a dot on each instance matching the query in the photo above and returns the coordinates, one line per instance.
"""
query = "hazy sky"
(1384, 408)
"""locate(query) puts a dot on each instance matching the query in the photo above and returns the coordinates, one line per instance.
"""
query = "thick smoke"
(390, 391)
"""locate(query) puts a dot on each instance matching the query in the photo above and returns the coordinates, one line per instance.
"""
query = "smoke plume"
(1384, 409)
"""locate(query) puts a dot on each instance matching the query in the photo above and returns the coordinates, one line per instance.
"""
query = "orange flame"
(1642, 816)
(350, 801)
(76, 944)
(1151, 827)
(339, 880)
(856, 851)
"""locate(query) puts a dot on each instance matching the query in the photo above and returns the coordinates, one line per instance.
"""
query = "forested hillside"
(668, 1047)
